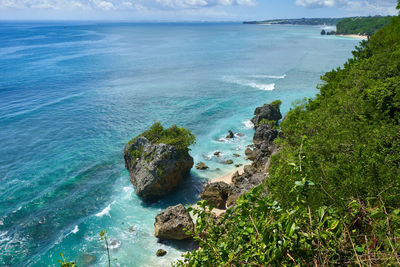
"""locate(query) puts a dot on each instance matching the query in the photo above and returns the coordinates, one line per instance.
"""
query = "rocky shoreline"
(156, 169)
(223, 192)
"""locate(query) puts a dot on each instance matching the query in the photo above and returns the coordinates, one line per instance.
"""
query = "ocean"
(72, 94)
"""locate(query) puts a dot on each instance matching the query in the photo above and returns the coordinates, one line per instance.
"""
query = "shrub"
(174, 135)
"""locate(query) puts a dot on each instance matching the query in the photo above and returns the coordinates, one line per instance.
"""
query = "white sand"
(356, 36)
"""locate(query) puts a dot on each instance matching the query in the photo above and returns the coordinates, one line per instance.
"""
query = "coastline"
(354, 36)
(227, 178)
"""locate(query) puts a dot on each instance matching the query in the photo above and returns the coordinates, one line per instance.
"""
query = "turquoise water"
(71, 96)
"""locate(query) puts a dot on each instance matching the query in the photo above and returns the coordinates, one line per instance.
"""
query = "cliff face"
(155, 169)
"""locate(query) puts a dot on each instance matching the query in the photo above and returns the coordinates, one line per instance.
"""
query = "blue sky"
(189, 10)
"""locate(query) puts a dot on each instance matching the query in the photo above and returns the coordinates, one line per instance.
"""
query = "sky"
(189, 10)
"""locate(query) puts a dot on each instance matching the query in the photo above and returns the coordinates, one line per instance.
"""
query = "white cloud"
(320, 3)
(139, 5)
(365, 6)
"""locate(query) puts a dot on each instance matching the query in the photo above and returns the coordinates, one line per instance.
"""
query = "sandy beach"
(228, 177)
(355, 36)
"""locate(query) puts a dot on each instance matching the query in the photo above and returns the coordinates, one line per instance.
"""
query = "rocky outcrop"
(161, 253)
(230, 134)
(265, 134)
(173, 223)
(155, 169)
(201, 166)
(216, 194)
(259, 153)
(268, 112)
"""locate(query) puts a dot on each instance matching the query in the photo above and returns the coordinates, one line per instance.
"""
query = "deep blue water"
(71, 96)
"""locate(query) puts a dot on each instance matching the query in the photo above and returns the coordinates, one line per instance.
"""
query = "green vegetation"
(174, 135)
(65, 263)
(362, 25)
(302, 21)
(276, 103)
(334, 188)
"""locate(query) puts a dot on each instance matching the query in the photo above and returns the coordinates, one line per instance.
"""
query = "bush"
(174, 135)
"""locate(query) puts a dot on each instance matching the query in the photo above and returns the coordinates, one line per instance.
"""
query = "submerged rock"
(230, 134)
(236, 155)
(201, 166)
(161, 253)
(87, 259)
(267, 112)
(155, 169)
(173, 223)
(229, 161)
(216, 194)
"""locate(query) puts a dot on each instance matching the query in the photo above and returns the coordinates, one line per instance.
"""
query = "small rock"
(236, 155)
(230, 134)
(217, 153)
(229, 161)
(173, 223)
(161, 253)
(238, 165)
(251, 155)
(217, 169)
(201, 166)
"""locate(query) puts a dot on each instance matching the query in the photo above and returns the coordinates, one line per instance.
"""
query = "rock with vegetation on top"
(173, 223)
(268, 112)
(201, 166)
(158, 160)
(216, 194)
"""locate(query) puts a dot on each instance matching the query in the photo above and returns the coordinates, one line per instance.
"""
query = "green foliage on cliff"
(176, 136)
(361, 25)
(334, 188)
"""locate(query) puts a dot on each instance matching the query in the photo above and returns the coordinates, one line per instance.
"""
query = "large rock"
(216, 194)
(267, 112)
(173, 223)
(155, 169)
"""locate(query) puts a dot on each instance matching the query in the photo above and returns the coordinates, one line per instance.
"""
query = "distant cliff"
(362, 25)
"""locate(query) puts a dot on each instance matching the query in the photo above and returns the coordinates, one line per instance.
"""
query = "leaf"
(334, 224)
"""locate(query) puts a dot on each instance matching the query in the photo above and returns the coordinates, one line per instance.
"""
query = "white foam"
(105, 211)
(250, 83)
(269, 76)
(248, 124)
(114, 244)
(261, 86)
(127, 189)
(75, 230)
